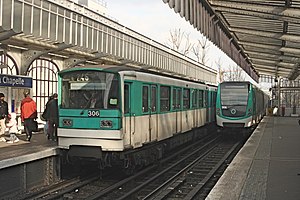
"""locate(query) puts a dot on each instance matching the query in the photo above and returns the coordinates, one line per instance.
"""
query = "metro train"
(126, 116)
(240, 105)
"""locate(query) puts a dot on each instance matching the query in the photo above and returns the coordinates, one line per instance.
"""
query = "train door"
(153, 118)
(254, 107)
(177, 108)
(149, 110)
(129, 116)
(206, 105)
(194, 107)
(213, 106)
(201, 107)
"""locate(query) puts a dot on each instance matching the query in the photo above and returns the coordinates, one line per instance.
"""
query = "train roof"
(234, 82)
(119, 68)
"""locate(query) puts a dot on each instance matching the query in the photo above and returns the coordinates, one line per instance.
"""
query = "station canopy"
(267, 31)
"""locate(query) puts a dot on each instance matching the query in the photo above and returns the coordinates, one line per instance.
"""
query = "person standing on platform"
(3, 114)
(51, 115)
(12, 128)
(28, 114)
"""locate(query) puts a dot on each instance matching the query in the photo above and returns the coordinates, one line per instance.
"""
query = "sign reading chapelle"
(15, 81)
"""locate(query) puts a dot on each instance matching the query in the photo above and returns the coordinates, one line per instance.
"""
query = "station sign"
(15, 81)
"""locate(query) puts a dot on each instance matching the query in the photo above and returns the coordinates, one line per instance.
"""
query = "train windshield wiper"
(87, 104)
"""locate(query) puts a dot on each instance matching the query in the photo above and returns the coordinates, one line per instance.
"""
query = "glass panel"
(60, 29)
(234, 94)
(53, 26)
(61, 11)
(37, 2)
(46, 5)
(186, 98)
(164, 98)
(67, 14)
(27, 18)
(104, 42)
(84, 36)
(74, 26)
(53, 8)
(153, 98)
(44, 74)
(179, 97)
(67, 31)
(45, 17)
(200, 98)
(194, 99)
(90, 89)
(126, 98)
(17, 16)
(174, 99)
(90, 38)
(205, 98)
(145, 100)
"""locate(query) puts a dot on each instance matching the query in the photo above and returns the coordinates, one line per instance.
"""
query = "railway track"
(183, 175)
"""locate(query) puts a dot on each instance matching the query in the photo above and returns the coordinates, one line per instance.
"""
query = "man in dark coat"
(3, 114)
(51, 115)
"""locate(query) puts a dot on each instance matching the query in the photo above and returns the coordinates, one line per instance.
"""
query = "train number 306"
(93, 113)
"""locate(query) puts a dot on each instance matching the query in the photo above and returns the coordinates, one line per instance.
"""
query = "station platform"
(24, 151)
(267, 167)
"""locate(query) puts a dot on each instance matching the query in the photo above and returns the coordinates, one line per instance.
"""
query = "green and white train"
(126, 115)
(240, 105)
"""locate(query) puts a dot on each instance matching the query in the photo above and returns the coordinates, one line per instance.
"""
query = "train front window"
(90, 90)
(234, 94)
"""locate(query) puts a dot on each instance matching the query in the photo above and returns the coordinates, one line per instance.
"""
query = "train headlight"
(249, 124)
(67, 122)
(106, 124)
(249, 111)
(218, 111)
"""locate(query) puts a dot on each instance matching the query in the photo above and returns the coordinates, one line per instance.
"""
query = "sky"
(155, 19)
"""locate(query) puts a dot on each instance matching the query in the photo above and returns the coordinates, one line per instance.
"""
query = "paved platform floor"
(23, 150)
(267, 167)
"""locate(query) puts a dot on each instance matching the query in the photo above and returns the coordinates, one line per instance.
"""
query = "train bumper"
(235, 123)
(108, 140)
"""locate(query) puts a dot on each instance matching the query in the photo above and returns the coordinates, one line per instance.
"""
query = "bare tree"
(235, 73)
(180, 41)
(200, 50)
(220, 70)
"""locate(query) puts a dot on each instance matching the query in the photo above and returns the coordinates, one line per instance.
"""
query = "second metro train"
(128, 116)
(240, 105)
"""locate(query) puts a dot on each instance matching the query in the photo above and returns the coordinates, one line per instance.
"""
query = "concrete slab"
(267, 167)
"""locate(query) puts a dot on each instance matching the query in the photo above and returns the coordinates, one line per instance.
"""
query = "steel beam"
(258, 10)
(268, 34)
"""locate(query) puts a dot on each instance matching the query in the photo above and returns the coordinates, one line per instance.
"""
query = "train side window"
(200, 98)
(153, 98)
(165, 98)
(186, 98)
(176, 104)
(205, 99)
(126, 99)
(174, 99)
(194, 98)
(145, 100)
(214, 99)
(179, 97)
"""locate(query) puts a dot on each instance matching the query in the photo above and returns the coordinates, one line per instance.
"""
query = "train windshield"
(90, 90)
(234, 94)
